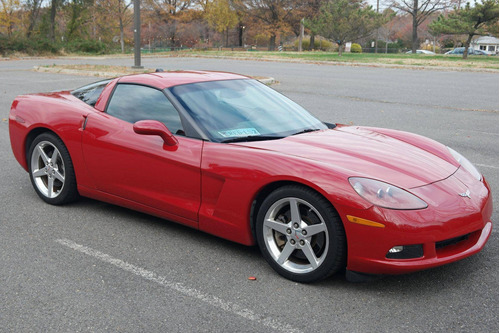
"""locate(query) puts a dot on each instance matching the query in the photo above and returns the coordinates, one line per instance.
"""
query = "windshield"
(233, 110)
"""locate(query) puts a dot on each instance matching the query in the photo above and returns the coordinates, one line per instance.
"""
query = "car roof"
(162, 80)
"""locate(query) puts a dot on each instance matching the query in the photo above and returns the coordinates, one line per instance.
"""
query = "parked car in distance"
(471, 51)
(421, 52)
(482, 52)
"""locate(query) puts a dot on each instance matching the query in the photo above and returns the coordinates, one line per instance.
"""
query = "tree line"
(94, 25)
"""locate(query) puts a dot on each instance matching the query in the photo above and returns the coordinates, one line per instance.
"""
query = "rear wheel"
(300, 234)
(51, 170)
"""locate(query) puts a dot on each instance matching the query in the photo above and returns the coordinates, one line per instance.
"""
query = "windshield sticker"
(239, 132)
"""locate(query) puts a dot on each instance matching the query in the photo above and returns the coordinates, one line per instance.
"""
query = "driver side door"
(141, 168)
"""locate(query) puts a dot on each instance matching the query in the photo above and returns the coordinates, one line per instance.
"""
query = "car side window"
(90, 93)
(132, 103)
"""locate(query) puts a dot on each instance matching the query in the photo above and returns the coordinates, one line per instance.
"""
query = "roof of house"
(486, 40)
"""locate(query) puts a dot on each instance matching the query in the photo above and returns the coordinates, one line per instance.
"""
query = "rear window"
(91, 92)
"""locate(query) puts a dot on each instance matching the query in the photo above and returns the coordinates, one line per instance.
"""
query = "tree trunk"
(272, 42)
(414, 35)
(311, 41)
(122, 41)
(53, 9)
(467, 44)
(341, 48)
(33, 15)
(227, 37)
(240, 35)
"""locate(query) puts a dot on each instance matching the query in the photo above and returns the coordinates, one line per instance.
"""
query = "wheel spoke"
(314, 229)
(285, 254)
(294, 210)
(278, 226)
(310, 255)
(50, 187)
(55, 154)
(44, 156)
(39, 173)
(59, 176)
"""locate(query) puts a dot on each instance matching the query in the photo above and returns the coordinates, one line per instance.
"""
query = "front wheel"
(51, 170)
(300, 234)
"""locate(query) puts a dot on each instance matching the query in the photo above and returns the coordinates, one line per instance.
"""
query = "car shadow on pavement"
(432, 281)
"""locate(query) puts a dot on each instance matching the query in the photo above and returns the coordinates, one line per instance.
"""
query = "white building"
(485, 43)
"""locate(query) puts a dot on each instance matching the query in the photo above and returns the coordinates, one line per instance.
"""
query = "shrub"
(323, 44)
(46, 45)
(395, 46)
(431, 48)
(86, 46)
(356, 48)
(34, 45)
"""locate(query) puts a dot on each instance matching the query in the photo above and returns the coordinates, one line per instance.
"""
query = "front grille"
(451, 241)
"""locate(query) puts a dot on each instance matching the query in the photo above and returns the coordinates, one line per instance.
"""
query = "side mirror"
(154, 127)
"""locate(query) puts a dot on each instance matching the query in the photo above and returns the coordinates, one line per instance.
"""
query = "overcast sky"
(383, 4)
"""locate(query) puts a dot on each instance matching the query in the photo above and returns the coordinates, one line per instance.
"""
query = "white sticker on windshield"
(239, 132)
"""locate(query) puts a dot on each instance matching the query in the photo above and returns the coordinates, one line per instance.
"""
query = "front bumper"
(450, 229)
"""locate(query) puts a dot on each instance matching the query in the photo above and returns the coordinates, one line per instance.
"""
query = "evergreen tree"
(470, 21)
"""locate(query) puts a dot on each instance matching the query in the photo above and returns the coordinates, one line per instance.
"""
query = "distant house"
(485, 43)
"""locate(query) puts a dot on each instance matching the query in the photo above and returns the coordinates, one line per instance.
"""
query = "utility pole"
(301, 36)
(137, 34)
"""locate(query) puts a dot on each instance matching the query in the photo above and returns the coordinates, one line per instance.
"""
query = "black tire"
(320, 232)
(51, 170)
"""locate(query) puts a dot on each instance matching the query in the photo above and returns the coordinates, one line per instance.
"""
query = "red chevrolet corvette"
(228, 155)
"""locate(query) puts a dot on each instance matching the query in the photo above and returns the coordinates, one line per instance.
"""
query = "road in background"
(91, 266)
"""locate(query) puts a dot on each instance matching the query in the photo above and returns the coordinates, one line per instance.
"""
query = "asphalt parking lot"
(93, 267)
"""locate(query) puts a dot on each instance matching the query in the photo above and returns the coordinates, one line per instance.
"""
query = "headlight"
(385, 195)
(466, 164)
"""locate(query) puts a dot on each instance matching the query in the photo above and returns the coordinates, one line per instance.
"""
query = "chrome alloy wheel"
(295, 235)
(47, 169)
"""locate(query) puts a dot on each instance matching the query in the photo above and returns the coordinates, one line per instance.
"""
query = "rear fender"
(60, 113)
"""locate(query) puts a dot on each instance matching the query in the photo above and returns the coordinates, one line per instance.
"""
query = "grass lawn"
(439, 60)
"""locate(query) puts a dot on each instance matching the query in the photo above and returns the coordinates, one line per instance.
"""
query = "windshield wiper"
(252, 138)
(307, 131)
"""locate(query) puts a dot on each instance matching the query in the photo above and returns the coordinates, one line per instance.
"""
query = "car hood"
(363, 152)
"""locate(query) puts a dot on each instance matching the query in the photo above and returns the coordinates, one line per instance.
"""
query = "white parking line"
(486, 166)
(181, 288)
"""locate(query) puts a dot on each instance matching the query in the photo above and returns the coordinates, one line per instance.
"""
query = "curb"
(266, 80)
(316, 62)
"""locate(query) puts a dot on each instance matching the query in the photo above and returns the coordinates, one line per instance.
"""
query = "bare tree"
(118, 9)
(33, 9)
(419, 10)
(168, 12)
(274, 14)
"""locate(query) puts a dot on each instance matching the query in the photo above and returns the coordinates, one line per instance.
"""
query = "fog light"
(406, 252)
(396, 249)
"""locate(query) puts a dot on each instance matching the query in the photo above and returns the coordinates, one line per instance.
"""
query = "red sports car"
(228, 155)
